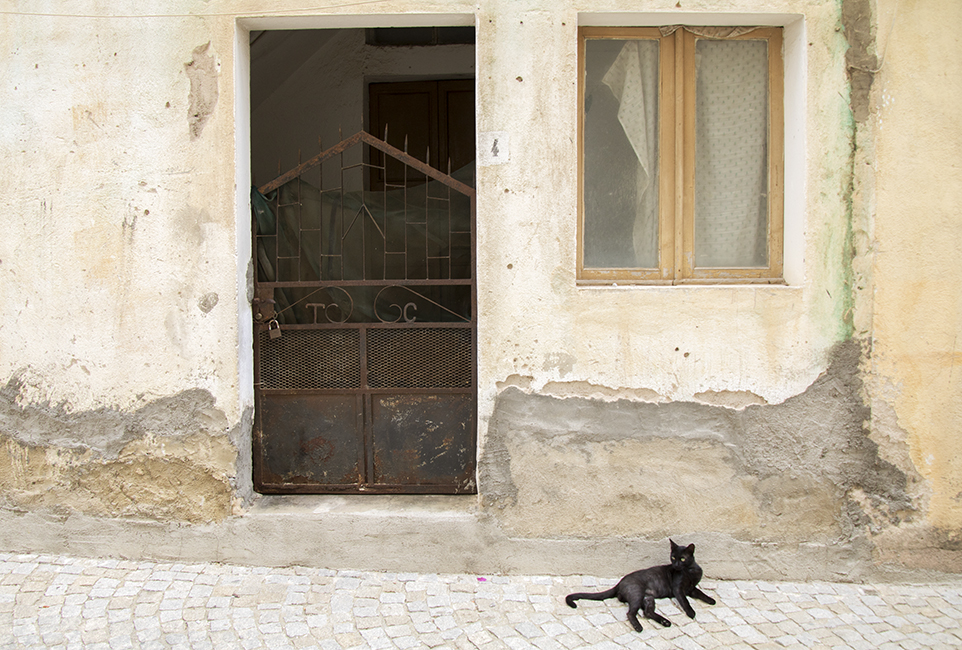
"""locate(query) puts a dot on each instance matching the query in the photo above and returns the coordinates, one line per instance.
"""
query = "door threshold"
(436, 505)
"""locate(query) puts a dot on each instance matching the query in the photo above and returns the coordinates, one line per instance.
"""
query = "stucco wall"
(916, 270)
(605, 413)
(119, 342)
(658, 410)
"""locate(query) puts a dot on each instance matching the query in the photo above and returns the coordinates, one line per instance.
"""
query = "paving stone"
(52, 601)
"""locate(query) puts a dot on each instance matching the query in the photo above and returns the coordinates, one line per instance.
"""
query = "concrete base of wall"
(434, 534)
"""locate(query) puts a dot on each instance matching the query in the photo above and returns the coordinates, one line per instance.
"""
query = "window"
(681, 150)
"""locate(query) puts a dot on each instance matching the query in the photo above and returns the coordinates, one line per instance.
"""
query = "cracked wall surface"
(859, 28)
(170, 459)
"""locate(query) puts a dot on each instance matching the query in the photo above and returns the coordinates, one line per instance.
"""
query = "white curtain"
(633, 80)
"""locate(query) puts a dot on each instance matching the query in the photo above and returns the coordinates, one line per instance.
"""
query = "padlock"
(274, 329)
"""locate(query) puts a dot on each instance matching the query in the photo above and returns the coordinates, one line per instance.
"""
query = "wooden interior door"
(434, 118)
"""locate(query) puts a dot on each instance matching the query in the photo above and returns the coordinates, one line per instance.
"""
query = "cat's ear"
(674, 546)
(691, 548)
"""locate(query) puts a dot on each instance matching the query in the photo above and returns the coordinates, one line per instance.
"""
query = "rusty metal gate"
(364, 334)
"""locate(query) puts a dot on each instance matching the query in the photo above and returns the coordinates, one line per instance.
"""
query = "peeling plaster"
(861, 61)
(202, 71)
(174, 458)
(673, 468)
(581, 389)
(164, 481)
(733, 399)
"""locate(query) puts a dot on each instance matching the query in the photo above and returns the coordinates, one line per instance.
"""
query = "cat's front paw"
(709, 600)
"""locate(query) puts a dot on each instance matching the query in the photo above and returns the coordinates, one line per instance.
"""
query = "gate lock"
(274, 329)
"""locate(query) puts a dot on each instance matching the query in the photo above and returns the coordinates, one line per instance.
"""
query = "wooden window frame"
(676, 163)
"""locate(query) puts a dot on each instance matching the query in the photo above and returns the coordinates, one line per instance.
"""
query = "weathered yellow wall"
(125, 329)
(540, 328)
(646, 410)
(118, 345)
(916, 363)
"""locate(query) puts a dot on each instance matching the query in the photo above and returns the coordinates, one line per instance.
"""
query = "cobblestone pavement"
(61, 602)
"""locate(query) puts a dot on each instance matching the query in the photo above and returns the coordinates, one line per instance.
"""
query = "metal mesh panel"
(310, 359)
(419, 358)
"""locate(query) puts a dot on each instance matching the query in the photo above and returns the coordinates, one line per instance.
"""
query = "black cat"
(640, 589)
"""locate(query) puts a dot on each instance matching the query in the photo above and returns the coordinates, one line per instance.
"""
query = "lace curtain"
(731, 153)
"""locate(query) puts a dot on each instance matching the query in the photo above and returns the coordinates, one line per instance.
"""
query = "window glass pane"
(731, 154)
(621, 154)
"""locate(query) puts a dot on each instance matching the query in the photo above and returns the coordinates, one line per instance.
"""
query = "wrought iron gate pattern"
(365, 372)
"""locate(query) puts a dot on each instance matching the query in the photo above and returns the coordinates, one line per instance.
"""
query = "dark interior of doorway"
(310, 90)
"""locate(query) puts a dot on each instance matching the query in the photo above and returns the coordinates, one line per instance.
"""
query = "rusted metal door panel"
(310, 439)
(365, 331)
(423, 440)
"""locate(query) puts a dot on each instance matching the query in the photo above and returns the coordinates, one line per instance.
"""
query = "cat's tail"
(571, 598)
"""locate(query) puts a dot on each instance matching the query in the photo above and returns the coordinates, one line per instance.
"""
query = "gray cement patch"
(801, 470)
(861, 61)
(105, 431)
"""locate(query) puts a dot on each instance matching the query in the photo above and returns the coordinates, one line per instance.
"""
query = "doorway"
(364, 310)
